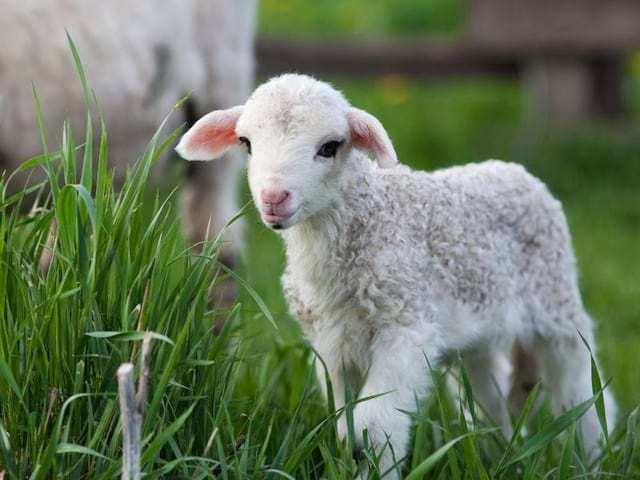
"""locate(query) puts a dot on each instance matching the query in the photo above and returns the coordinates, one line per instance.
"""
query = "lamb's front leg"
(399, 371)
(329, 362)
(331, 365)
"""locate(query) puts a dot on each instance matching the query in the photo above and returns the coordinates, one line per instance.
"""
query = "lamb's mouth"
(278, 221)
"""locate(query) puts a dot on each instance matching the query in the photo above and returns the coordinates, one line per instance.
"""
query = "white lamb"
(387, 266)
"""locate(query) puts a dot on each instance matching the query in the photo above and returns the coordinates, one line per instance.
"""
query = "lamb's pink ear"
(367, 133)
(211, 136)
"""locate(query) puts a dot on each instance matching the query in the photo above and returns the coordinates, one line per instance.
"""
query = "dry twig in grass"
(132, 410)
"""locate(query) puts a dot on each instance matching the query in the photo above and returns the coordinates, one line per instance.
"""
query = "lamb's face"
(297, 150)
(298, 133)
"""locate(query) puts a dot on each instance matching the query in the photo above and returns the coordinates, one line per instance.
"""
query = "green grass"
(245, 404)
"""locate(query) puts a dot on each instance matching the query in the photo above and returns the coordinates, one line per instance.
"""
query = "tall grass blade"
(544, 437)
(8, 459)
(432, 460)
(596, 386)
(522, 420)
(631, 442)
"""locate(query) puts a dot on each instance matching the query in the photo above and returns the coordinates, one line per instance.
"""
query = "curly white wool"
(389, 267)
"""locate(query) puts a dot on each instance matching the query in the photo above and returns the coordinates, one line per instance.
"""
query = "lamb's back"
(480, 232)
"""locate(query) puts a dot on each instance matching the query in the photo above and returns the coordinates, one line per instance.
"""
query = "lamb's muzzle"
(387, 266)
(276, 206)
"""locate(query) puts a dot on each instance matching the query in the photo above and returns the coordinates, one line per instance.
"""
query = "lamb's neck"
(311, 246)
(316, 245)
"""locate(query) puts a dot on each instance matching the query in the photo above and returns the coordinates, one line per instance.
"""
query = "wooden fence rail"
(567, 82)
(419, 58)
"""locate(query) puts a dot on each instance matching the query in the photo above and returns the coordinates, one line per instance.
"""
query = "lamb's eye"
(329, 149)
(247, 143)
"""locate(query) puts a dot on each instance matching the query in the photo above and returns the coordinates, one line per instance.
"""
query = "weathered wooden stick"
(132, 410)
(143, 382)
(131, 423)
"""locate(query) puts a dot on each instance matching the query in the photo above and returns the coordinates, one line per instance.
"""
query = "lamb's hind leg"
(488, 370)
(565, 367)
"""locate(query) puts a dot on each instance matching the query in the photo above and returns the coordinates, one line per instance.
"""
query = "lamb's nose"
(274, 197)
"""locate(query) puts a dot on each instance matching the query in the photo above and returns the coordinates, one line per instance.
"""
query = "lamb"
(141, 58)
(388, 267)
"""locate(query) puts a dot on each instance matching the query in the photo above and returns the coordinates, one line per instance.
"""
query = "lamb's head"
(299, 133)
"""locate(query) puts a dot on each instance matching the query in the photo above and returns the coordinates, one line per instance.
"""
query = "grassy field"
(245, 404)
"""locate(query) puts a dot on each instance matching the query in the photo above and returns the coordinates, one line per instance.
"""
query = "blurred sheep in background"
(140, 58)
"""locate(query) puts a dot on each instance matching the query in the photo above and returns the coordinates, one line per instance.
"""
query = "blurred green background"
(594, 168)
(353, 17)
